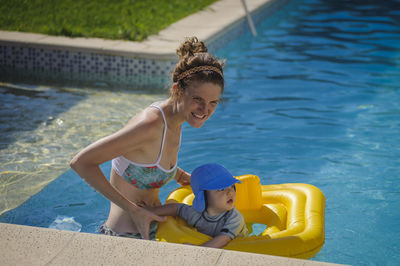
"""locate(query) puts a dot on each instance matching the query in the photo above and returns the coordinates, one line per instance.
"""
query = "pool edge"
(22, 245)
(161, 46)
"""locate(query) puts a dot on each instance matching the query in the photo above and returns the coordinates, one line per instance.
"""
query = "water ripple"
(284, 99)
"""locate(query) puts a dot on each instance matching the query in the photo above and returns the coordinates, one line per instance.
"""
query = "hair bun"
(190, 47)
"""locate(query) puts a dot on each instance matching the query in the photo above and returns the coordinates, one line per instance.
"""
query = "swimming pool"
(313, 99)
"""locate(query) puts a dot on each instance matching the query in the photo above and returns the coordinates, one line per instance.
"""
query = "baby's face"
(222, 200)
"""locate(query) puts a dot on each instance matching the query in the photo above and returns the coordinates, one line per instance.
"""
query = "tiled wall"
(62, 65)
(71, 67)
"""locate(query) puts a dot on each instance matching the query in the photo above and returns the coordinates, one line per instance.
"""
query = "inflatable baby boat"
(293, 214)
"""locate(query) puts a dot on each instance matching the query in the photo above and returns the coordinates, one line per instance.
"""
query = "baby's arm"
(219, 241)
(165, 210)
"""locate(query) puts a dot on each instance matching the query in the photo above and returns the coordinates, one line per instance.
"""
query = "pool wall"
(108, 63)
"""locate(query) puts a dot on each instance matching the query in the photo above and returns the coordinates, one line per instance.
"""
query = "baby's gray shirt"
(230, 223)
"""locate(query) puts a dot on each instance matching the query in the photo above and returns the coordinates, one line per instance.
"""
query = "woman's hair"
(204, 67)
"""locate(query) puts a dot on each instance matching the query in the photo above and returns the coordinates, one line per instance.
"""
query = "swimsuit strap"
(164, 133)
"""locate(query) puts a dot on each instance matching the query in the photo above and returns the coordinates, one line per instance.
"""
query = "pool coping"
(26, 245)
(207, 24)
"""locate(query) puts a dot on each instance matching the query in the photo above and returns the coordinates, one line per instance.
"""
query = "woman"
(144, 153)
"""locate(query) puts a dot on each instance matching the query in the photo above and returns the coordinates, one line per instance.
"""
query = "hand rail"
(249, 19)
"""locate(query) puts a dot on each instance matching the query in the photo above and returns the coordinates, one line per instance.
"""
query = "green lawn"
(119, 19)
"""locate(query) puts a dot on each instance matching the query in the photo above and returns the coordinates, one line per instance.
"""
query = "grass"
(110, 19)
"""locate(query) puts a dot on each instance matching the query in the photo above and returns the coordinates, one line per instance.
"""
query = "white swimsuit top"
(146, 176)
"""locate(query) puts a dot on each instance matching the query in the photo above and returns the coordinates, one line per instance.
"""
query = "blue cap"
(210, 176)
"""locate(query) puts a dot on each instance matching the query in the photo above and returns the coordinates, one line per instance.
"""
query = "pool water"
(42, 127)
(314, 98)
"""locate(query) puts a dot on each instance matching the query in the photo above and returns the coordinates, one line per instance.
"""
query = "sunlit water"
(314, 98)
(43, 127)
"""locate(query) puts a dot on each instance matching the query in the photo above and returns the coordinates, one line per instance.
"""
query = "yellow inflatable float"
(293, 214)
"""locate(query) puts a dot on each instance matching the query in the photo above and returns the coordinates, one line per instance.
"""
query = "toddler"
(213, 211)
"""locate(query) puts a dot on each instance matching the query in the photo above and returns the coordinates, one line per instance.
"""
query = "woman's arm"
(86, 164)
(219, 241)
(182, 177)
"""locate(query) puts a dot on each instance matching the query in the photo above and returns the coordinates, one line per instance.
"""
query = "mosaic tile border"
(63, 65)
(51, 65)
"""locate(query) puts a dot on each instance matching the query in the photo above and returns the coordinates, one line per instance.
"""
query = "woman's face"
(199, 103)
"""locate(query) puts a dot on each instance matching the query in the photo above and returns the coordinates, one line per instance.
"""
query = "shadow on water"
(27, 106)
(43, 126)
(24, 108)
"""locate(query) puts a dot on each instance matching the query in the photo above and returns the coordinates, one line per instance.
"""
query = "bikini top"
(145, 176)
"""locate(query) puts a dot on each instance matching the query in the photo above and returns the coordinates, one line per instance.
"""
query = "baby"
(213, 211)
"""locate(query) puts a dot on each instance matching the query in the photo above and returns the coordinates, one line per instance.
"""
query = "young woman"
(144, 153)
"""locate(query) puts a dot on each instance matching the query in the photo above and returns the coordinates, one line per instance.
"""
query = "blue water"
(314, 98)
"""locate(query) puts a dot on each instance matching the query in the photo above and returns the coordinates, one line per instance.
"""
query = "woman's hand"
(182, 177)
(142, 219)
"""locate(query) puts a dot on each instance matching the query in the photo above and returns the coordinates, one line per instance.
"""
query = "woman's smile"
(200, 102)
(198, 116)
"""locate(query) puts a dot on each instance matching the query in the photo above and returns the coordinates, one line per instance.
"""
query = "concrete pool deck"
(24, 245)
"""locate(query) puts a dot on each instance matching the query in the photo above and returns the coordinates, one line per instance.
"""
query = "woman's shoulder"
(141, 129)
(149, 120)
